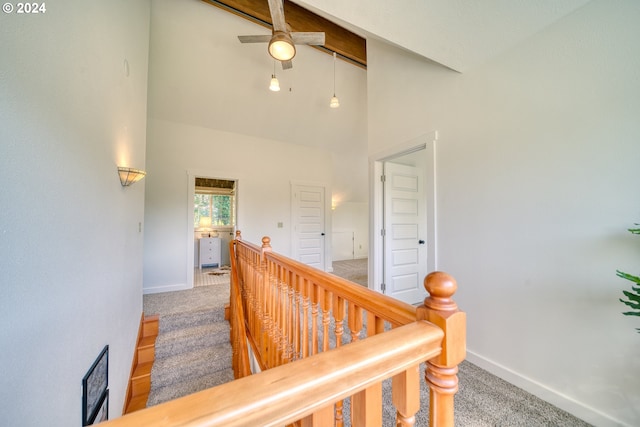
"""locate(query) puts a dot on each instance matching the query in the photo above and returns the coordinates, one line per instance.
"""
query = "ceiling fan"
(282, 41)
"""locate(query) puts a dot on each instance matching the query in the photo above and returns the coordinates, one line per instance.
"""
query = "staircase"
(192, 350)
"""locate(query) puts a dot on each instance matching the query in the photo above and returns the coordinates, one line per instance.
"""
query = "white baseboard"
(566, 403)
(165, 288)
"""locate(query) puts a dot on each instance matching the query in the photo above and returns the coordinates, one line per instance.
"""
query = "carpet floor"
(193, 353)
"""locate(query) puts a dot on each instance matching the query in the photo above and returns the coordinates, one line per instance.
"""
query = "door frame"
(425, 144)
(191, 191)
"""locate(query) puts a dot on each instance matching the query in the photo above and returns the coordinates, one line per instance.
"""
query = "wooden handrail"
(296, 391)
(298, 320)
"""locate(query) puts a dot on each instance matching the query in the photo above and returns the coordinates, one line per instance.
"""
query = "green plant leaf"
(631, 304)
(628, 276)
(632, 296)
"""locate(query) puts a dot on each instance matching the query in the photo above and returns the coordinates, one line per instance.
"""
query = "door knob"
(421, 242)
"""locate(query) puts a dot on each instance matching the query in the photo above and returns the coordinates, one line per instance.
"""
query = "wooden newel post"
(266, 247)
(441, 372)
(238, 235)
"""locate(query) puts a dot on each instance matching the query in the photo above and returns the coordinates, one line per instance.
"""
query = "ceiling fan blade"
(276, 8)
(287, 65)
(254, 39)
(308, 38)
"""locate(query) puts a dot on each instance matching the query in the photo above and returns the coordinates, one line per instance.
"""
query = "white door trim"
(191, 191)
(426, 143)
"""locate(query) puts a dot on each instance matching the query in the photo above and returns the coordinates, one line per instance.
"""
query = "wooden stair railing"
(296, 321)
(307, 389)
(294, 311)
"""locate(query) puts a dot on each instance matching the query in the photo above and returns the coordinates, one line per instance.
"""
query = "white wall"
(70, 248)
(264, 170)
(537, 183)
(350, 219)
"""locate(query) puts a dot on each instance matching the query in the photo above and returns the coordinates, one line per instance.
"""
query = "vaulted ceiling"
(345, 43)
(458, 34)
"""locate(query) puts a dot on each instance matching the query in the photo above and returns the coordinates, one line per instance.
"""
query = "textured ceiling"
(459, 34)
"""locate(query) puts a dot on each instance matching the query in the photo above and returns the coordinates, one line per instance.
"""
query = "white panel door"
(405, 222)
(308, 217)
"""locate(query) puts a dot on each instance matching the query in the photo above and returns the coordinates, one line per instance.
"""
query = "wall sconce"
(129, 175)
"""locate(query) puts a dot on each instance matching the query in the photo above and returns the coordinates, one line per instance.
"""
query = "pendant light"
(274, 86)
(334, 103)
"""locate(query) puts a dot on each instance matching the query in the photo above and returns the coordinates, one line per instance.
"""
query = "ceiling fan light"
(334, 103)
(274, 86)
(281, 46)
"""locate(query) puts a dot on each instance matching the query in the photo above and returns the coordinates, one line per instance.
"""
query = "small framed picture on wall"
(95, 395)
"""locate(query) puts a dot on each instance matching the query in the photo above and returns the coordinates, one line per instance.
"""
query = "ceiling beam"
(346, 44)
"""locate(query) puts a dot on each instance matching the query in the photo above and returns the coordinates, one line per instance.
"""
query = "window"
(218, 207)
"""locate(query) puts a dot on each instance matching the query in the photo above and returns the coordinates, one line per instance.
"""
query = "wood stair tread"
(143, 358)
(137, 402)
(149, 341)
(143, 369)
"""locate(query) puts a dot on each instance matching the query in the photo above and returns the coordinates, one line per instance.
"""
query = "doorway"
(403, 229)
(211, 223)
(308, 215)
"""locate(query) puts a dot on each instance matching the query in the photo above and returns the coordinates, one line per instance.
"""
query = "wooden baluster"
(314, 318)
(251, 311)
(288, 296)
(360, 400)
(375, 324)
(338, 315)
(406, 396)
(258, 304)
(263, 292)
(297, 280)
(266, 288)
(321, 418)
(233, 330)
(253, 297)
(273, 306)
(366, 407)
(280, 301)
(325, 301)
(284, 317)
(293, 311)
(355, 321)
(306, 287)
(441, 372)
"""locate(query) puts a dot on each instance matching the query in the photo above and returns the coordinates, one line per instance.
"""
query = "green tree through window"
(216, 206)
